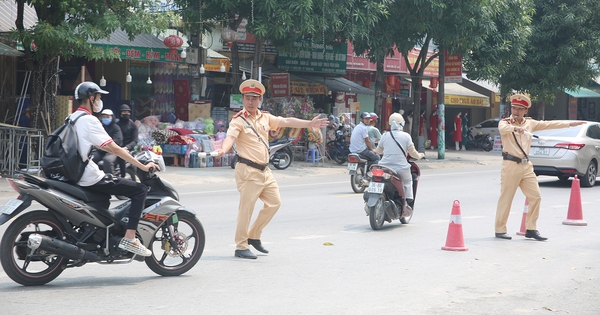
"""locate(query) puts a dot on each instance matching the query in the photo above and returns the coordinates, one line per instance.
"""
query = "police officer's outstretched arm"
(226, 145)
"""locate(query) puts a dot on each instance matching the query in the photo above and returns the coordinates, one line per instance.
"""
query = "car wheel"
(589, 179)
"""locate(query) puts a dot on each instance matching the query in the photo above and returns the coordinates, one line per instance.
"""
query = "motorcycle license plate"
(352, 166)
(375, 187)
(11, 206)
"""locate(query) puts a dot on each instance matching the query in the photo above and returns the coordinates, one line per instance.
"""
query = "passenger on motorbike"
(394, 146)
(130, 133)
(110, 126)
(360, 142)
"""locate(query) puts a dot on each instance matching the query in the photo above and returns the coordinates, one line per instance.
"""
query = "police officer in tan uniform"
(249, 129)
(517, 170)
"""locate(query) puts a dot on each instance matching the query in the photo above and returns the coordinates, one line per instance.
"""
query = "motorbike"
(480, 141)
(78, 227)
(130, 170)
(280, 153)
(358, 169)
(385, 197)
(339, 148)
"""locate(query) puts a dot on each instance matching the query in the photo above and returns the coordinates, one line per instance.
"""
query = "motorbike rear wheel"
(356, 180)
(285, 157)
(377, 213)
(18, 262)
(189, 234)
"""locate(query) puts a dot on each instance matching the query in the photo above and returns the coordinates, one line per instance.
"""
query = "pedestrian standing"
(517, 170)
(457, 135)
(249, 130)
(434, 121)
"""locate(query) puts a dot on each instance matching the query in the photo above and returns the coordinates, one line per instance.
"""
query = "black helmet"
(365, 115)
(124, 107)
(87, 89)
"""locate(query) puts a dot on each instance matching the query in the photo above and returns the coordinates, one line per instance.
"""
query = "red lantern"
(173, 42)
(433, 83)
(366, 83)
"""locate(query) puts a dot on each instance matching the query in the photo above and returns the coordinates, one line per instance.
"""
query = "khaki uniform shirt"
(247, 144)
(506, 127)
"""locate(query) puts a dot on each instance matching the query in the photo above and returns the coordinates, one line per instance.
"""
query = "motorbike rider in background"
(360, 142)
(130, 133)
(374, 134)
(394, 146)
(110, 159)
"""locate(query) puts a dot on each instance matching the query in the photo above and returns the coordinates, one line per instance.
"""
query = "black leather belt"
(252, 164)
(506, 156)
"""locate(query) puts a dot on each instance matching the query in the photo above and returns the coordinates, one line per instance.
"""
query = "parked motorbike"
(385, 197)
(280, 153)
(78, 227)
(339, 148)
(480, 141)
(358, 168)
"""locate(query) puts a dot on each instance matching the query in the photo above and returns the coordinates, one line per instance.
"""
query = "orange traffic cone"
(454, 240)
(525, 210)
(575, 214)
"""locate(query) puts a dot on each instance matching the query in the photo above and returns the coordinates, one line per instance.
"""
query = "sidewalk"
(195, 176)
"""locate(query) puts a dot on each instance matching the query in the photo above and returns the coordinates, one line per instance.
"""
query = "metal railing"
(20, 149)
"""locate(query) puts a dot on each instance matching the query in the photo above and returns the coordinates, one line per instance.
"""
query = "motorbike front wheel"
(377, 213)
(189, 235)
(337, 156)
(488, 146)
(356, 180)
(18, 261)
(285, 159)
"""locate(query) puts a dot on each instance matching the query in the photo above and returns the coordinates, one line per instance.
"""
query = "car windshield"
(563, 132)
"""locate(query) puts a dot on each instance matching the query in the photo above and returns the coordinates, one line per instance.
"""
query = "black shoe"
(504, 236)
(245, 253)
(535, 234)
(258, 245)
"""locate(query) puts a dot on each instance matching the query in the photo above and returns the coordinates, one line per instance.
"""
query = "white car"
(488, 126)
(568, 152)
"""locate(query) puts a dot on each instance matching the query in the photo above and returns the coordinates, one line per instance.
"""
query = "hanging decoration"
(173, 42)
(433, 83)
(366, 83)
(228, 35)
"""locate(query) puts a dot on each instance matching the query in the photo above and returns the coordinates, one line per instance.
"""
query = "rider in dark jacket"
(129, 130)
(108, 122)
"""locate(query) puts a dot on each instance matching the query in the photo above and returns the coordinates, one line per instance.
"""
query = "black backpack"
(61, 160)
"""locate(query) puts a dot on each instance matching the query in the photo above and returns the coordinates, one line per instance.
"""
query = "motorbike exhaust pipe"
(60, 248)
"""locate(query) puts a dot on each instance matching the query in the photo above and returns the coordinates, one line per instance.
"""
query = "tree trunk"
(378, 92)
(235, 68)
(414, 126)
(257, 57)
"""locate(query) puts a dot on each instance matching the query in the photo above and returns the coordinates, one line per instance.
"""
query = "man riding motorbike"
(360, 142)
(394, 146)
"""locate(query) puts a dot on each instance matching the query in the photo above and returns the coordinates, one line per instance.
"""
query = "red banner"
(280, 84)
(453, 68)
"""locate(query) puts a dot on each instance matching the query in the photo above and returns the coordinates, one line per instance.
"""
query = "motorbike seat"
(278, 141)
(359, 157)
(78, 192)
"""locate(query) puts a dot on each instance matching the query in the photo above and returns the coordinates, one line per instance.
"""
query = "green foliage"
(65, 26)
(562, 51)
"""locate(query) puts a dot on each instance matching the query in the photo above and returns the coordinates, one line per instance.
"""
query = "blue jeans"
(369, 155)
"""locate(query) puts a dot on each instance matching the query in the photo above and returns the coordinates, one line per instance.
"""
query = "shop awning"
(6, 50)
(583, 93)
(458, 95)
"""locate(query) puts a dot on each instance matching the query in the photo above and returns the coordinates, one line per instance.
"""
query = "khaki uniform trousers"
(515, 175)
(252, 185)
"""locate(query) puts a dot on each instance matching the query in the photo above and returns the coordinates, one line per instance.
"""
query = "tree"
(63, 31)
(562, 51)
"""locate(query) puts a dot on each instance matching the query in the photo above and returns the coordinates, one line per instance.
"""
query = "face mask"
(98, 106)
(125, 117)
(106, 121)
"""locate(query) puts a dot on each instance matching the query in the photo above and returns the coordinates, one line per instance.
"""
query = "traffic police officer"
(517, 170)
(249, 129)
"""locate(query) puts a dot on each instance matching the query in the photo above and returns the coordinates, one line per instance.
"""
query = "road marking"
(347, 195)
(307, 237)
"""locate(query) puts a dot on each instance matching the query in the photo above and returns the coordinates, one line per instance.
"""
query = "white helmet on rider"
(396, 121)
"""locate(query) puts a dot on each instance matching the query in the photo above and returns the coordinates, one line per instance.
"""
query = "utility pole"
(441, 111)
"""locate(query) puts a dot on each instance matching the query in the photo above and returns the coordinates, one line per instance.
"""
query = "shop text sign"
(312, 56)
(280, 84)
(140, 53)
(450, 99)
(452, 68)
(303, 88)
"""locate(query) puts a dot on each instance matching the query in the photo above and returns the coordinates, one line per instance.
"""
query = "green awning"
(583, 93)
(6, 50)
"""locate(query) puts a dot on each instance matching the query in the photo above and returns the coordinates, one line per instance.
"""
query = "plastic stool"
(312, 155)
